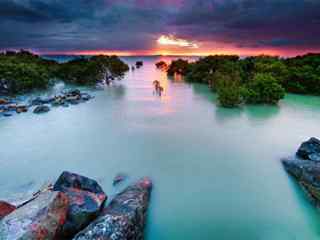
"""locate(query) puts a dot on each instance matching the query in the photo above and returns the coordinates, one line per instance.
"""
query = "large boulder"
(305, 168)
(310, 150)
(40, 219)
(307, 173)
(86, 199)
(73, 180)
(124, 218)
(5, 209)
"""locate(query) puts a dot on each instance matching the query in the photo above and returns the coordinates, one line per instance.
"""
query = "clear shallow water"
(216, 172)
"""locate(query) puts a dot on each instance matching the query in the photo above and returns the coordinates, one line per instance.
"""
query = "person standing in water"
(156, 85)
(158, 88)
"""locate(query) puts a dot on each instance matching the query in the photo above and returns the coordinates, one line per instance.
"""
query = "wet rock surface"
(310, 150)
(305, 168)
(75, 208)
(86, 199)
(73, 180)
(39, 219)
(124, 218)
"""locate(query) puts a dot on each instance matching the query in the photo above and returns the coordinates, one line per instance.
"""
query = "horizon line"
(166, 54)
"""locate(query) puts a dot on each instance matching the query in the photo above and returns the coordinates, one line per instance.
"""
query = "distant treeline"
(258, 80)
(24, 71)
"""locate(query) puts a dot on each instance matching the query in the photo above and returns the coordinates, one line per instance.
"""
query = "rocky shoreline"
(76, 207)
(305, 168)
(9, 106)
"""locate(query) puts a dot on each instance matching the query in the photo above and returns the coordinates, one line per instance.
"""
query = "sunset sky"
(191, 27)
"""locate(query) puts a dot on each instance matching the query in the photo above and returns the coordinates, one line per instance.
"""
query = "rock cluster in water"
(305, 168)
(75, 208)
(42, 105)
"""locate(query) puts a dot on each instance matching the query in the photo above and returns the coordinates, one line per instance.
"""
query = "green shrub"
(263, 88)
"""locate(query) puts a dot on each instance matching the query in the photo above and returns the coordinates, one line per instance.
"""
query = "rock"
(119, 178)
(305, 168)
(12, 107)
(3, 101)
(86, 199)
(6, 114)
(307, 173)
(5, 209)
(310, 150)
(59, 101)
(72, 180)
(75, 92)
(40, 101)
(124, 218)
(40, 219)
(36, 101)
(41, 109)
(73, 99)
(21, 109)
(85, 96)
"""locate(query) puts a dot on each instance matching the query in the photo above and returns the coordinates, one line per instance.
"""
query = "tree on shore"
(24, 71)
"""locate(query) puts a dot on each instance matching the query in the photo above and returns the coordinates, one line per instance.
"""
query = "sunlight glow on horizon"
(172, 40)
(185, 52)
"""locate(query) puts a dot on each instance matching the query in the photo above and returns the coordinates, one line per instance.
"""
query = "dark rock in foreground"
(305, 168)
(5, 209)
(310, 150)
(41, 109)
(40, 219)
(72, 180)
(124, 218)
(307, 173)
(86, 199)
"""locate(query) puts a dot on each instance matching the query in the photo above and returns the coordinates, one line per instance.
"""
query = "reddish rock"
(86, 199)
(40, 219)
(5, 209)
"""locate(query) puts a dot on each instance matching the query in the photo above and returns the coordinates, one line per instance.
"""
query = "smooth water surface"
(217, 172)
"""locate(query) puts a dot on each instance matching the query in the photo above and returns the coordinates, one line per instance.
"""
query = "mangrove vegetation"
(24, 71)
(252, 80)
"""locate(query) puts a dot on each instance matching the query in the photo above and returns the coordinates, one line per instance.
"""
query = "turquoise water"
(216, 172)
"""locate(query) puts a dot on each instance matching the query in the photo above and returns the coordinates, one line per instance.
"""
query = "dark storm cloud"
(71, 25)
(252, 22)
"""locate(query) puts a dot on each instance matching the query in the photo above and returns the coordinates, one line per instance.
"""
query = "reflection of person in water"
(160, 90)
